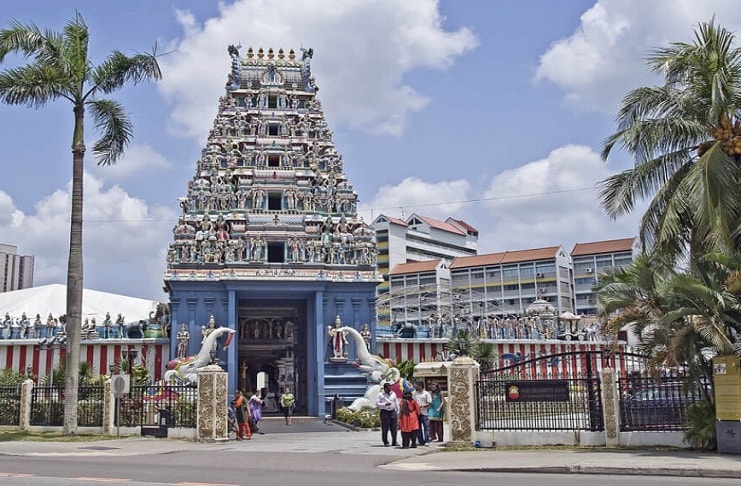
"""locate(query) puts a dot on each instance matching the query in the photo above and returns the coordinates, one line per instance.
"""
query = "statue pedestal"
(212, 422)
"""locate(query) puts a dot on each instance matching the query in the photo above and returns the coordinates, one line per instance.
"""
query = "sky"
(493, 112)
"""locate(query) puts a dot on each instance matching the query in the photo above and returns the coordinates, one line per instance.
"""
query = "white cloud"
(362, 49)
(136, 160)
(413, 195)
(124, 239)
(550, 202)
(605, 57)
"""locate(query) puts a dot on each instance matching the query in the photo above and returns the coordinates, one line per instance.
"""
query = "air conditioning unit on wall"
(590, 270)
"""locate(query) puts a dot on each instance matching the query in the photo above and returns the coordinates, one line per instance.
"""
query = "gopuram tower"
(269, 242)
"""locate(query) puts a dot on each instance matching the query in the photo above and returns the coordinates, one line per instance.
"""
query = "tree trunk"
(74, 279)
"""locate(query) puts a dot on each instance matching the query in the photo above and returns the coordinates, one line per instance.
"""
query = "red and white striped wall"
(20, 355)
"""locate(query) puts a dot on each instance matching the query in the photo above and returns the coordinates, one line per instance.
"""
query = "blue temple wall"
(194, 302)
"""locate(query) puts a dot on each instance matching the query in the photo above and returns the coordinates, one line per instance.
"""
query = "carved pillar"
(462, 377)
(109, 408)
(610, 408)
(212, 403)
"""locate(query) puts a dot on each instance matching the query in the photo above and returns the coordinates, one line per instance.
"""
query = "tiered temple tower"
(269, 242)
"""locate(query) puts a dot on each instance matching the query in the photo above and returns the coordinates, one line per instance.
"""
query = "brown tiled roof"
(465, 225)
(505, 257)
(441, 225)
(531, 255)
(398, 221)
(414, 267)
(477, 260)
(608, 246)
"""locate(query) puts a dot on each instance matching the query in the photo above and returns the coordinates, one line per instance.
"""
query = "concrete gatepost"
(463, 374)
(610, 407)
(109, 408)
(25, 415)
(211, 422)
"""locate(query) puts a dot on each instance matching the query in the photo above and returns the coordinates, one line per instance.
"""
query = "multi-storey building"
(16, 271)
(269, 242)
(506, 283)
(418, 239)
(590, 261)
(419, 292)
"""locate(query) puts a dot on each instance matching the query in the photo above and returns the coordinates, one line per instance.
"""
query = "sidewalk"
(319, 437)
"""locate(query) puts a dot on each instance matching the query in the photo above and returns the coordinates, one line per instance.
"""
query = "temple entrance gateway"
(272, 343)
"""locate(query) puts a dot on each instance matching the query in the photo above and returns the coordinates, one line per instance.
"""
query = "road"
(309, 452)
(242, 467)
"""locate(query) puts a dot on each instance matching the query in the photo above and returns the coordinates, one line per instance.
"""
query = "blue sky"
(489, 111)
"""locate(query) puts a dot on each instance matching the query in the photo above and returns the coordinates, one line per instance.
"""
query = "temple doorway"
(272, 349)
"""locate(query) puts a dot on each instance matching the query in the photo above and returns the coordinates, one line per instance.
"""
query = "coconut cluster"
(728, 133)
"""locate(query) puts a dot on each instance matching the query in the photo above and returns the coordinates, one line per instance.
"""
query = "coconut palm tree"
(59, 69)
(685, 139)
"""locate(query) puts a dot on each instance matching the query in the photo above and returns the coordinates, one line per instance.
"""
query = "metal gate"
(554, 392)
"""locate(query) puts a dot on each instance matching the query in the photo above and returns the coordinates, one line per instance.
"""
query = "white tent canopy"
(52, 299)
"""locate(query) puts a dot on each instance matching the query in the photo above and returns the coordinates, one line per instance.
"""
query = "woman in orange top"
(408, 420)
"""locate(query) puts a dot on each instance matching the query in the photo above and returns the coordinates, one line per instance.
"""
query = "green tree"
(685, 139)
(59, 68)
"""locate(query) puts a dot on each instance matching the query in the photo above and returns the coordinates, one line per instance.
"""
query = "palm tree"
(685, 139)
(59, 68)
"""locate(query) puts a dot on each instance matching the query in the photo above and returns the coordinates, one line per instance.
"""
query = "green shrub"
(699, 424)
(366, 418)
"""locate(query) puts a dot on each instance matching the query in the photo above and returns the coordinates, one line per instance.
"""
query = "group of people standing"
(245, 414)
(418, 415)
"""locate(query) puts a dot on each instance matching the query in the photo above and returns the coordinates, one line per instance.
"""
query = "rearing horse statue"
(185, 370)
(376, 369)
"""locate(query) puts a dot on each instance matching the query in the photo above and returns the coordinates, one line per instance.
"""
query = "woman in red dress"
(408, 420)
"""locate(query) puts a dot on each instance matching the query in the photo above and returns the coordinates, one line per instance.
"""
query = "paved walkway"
(316, 437)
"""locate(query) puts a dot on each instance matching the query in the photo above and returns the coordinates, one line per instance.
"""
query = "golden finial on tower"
(280, 54)
(270, 53)
(250, 53)
(292, 55)
(260, 53)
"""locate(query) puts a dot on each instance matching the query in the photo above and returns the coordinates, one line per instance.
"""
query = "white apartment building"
(417, 239)
(16, 271)
(590, 261)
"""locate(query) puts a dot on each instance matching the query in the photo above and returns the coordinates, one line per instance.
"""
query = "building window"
(273, 129)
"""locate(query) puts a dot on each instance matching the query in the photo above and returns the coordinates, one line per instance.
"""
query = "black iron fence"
(10, 404)
(159, 405)
(523, 397)
(47, 405)
(657, 404)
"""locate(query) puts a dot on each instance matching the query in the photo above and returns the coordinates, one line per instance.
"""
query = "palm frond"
(116, 129)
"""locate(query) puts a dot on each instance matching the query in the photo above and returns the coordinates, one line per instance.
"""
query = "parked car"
(660, 405)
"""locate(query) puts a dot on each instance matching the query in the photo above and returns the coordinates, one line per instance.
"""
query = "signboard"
(537, 391)
(120, 384)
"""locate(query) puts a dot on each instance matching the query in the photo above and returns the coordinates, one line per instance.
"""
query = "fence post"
(463, 374)
(211, 420)
(26, 393)
(610, 407)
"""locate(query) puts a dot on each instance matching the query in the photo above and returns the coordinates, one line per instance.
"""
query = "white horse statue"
(377, 370)
(185, 370)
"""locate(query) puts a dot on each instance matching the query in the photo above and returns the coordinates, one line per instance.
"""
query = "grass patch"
(23, 436)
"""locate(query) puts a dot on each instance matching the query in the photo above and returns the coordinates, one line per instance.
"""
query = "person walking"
(388, 404)
(256, 403)
(240, 408)
(408, 420)
(287, 402)
(423, 399)
(436, 413)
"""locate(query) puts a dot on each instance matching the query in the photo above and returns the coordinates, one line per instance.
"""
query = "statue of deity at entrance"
(339, 341)
(183, 338)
